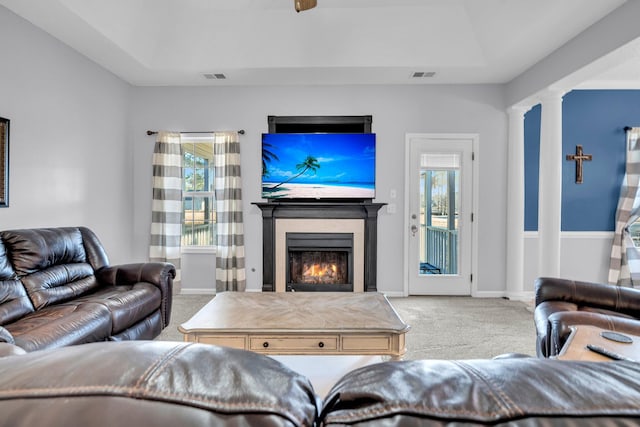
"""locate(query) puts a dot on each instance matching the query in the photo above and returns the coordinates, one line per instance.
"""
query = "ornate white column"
(550, 185)
(515, 203)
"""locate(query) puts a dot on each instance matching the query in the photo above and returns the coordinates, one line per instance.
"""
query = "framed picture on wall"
(4, 162)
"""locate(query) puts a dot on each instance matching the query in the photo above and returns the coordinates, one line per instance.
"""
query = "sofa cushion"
(62, 325)
(14, 302)
(146, 329)
(128, 304)
(32, 250)
(6, 270)
(51, 263)
(150, 383)
(59, 283)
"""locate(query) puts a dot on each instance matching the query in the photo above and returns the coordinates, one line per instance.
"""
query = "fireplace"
(348, 232)
(319, 262)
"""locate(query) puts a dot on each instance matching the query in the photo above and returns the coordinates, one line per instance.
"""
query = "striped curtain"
(625, 258)
(166, 212)
(230, 270)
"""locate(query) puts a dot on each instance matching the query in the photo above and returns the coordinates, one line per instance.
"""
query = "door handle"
(414, 230)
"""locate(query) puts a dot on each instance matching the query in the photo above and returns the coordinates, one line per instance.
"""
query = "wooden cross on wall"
(579, 157)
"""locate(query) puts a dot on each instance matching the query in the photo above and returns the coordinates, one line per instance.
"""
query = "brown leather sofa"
(58, 289)
(561, 303)
(154, 383)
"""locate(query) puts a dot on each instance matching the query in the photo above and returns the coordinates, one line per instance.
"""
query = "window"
(634, 232)
(439, 199)
(198, 197)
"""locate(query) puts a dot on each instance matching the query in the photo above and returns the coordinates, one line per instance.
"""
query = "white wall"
(585, 256)
(70, 158)
(198, 272)
(396, 110)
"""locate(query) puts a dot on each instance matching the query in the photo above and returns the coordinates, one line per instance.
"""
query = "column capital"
(517, 110)
(551, 95)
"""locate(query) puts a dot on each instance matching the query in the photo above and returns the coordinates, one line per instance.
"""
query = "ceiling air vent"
(214, 76)
(421, 74)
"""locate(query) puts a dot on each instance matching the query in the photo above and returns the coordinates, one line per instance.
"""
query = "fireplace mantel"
(272, 211)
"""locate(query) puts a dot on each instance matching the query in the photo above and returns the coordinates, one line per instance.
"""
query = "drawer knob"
(320, 344)
(265, 344)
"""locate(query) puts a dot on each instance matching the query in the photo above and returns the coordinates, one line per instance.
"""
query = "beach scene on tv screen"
(317, 166)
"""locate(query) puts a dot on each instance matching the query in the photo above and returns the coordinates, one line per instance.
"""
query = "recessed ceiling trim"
(150, 43)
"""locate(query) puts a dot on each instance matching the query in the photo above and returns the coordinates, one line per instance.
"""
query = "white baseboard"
(521, 296)
(488, 294)
(197, 291)
(393, 294)
(524, 296)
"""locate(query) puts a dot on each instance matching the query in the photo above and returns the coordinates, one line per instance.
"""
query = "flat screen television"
(318, 166)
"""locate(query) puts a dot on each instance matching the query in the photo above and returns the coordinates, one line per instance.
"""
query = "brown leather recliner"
(57, 289)
(561, 303)
(140, 383)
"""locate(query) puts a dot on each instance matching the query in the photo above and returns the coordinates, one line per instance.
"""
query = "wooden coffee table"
(307, 323)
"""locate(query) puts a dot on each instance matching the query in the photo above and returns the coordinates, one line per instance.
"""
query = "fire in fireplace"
(319, 267)
(320, 262)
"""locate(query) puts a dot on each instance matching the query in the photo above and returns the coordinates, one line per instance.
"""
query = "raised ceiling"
(177, 42)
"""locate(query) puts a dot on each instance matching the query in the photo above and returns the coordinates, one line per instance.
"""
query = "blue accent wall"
(531, 167)
(594, 119)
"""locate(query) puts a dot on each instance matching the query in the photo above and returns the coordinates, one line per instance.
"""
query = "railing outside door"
(439, 249)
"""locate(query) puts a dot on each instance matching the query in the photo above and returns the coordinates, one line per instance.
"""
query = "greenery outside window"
(198, 197)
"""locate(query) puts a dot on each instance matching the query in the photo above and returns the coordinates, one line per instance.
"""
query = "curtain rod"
(627, 128)
(154, 132)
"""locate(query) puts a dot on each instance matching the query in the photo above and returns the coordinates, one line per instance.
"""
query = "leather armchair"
(561, 303)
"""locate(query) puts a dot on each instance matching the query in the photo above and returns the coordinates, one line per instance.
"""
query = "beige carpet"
(441, 327)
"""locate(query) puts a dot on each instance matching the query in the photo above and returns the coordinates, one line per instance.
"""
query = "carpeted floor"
(441, 327)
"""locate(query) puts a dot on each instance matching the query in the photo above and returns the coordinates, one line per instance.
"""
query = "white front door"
(440, 183)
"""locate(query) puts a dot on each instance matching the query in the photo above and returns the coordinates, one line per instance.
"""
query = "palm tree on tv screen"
(310, 163)
(267, 156)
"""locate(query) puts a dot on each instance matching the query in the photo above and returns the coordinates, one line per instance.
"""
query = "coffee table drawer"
(366, 343)
(292, 343)
(235, 341)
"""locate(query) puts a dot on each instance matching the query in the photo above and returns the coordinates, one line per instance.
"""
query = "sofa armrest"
(5, 336)
(7, 344)
(160, 274)
(598, 295)
(559, 323)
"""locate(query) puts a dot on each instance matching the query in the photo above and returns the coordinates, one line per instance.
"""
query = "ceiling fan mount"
(305, 4)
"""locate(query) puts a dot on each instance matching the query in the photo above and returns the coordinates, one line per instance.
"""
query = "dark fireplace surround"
(367, 211)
